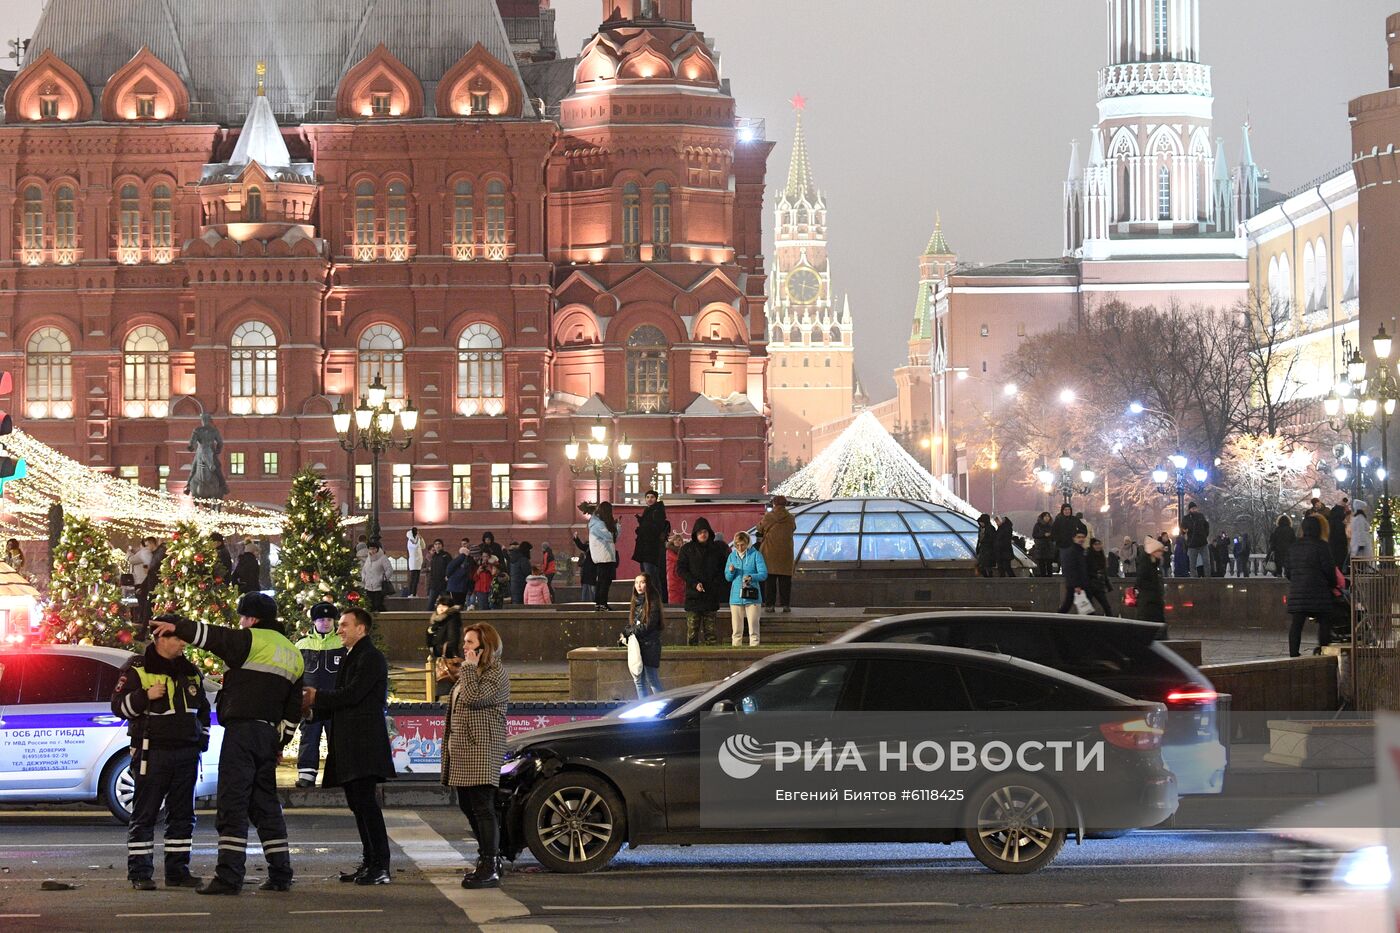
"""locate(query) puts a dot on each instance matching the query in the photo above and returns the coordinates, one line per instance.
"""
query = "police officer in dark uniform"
(259, 708)
(321, 653)
(161, 696)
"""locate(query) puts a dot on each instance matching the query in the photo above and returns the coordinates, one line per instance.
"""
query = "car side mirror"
(723, 707)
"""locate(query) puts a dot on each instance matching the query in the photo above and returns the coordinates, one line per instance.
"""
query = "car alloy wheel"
(117, 789)
(1017, 826)
(575, 822)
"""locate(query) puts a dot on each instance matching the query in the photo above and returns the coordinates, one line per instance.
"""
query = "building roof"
(937, 245)
(214, 45)
(550, 82)
(1021, 267)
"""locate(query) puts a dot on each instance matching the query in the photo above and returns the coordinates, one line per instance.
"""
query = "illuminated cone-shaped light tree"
(316, 563)
(85, 595)
(192, 586)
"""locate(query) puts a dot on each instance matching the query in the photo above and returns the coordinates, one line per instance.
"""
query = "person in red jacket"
(675, 586)
(481, 584)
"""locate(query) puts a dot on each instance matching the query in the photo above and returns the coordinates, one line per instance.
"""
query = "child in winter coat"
(537, 589)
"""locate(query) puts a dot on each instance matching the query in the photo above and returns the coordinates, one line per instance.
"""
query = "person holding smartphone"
(745, 570)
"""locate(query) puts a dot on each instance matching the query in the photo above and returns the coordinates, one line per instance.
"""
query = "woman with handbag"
(474, 745)
(645, 616)
(745, 570)
(445, 641)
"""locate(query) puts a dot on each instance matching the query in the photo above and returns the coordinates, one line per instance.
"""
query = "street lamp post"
(1387, 392)
(374, 420)
(1160, 477)
(597, 455)
(1068, 487)
(1358, 410)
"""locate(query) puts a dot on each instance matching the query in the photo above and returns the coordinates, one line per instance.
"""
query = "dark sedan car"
(1120, 654)
(574, 795)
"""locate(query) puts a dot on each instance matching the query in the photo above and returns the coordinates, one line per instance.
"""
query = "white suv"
(58, 738)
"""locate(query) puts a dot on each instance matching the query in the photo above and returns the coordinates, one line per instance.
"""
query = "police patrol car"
(58, 738)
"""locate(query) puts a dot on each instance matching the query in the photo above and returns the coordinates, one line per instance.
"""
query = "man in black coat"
(1074, 565)
(359, 757)
(1197, 531)
(1004, 547)
(438, 559)
(1066, 526)
(1338, 520)
(650, 551)
(701, 565)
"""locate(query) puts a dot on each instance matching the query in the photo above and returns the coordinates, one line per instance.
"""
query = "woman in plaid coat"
(474, 745)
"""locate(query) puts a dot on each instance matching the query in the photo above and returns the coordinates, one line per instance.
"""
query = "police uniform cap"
(258, 606)
(324, 611)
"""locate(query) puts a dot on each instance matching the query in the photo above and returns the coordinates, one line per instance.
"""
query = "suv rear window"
(999, 690)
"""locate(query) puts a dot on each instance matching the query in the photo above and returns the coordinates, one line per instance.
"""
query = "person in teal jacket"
(745, 570)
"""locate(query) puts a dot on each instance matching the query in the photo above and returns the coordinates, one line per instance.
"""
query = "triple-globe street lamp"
(1360, 400)
(597, 455)
(374, 420)
(1065, 477)
(1179, 462)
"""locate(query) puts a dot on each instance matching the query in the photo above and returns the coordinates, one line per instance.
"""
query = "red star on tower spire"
(799, 103)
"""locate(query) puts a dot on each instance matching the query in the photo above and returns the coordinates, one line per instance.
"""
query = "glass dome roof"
(881, 531)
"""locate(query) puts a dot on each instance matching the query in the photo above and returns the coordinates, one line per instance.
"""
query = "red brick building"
(412, 189)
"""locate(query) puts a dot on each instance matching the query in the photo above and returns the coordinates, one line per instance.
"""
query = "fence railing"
(1375, 633)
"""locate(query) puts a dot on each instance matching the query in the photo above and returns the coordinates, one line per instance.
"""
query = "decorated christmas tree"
(193, 587)
(85, 595)
(316, 563)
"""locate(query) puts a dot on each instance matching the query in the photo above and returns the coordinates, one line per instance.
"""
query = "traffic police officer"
(321, 653)
(161, 695)
(259, 708)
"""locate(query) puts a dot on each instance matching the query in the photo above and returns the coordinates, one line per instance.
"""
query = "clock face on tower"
(804, 286)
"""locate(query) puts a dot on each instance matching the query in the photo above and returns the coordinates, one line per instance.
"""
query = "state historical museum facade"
(192, 221)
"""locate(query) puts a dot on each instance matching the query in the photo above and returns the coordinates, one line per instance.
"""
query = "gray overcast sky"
(968, 107)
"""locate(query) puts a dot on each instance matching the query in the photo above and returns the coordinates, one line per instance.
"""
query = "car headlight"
(1364, 868)
(649, 710)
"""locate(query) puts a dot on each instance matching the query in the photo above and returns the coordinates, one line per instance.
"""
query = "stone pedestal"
(1322, 744)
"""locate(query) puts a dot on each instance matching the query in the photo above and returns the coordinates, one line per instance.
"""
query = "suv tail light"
(1192, 695)
(1142, 733)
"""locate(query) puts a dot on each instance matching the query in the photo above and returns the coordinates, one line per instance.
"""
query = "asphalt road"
(1143, 882)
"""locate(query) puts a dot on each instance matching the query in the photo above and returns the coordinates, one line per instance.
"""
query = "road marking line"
(1168, 900)
(629, 869)
(205, 914)
(365, 911)
(437, 859)
(869, 905)
(199, 844)
(19, 916)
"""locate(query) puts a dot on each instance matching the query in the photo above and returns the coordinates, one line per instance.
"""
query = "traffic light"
(11, 468)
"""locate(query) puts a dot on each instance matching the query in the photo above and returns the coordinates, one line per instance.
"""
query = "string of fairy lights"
(125, 508)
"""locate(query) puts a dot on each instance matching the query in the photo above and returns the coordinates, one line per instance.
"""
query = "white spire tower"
(1153, 190)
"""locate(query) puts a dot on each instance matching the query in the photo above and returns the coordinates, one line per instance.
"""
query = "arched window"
(828, 362)
(253, 206)
(162, 224)
(65, 233)
(365, 222)
(381, 354)
(129, 225)
(648, 383)
(464, 221)
(1349, 264)
(661, 222)
(146, 373)
(33, 240)
(803, 217)
(481, 379)
(806, 362)
(631, 222)
(48, 374)
(777, 335)
(1164, 193)
(1309, 278)
(1323, 277)
(396, 223)
(835, 334)
(496, 248)
(253, 386)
